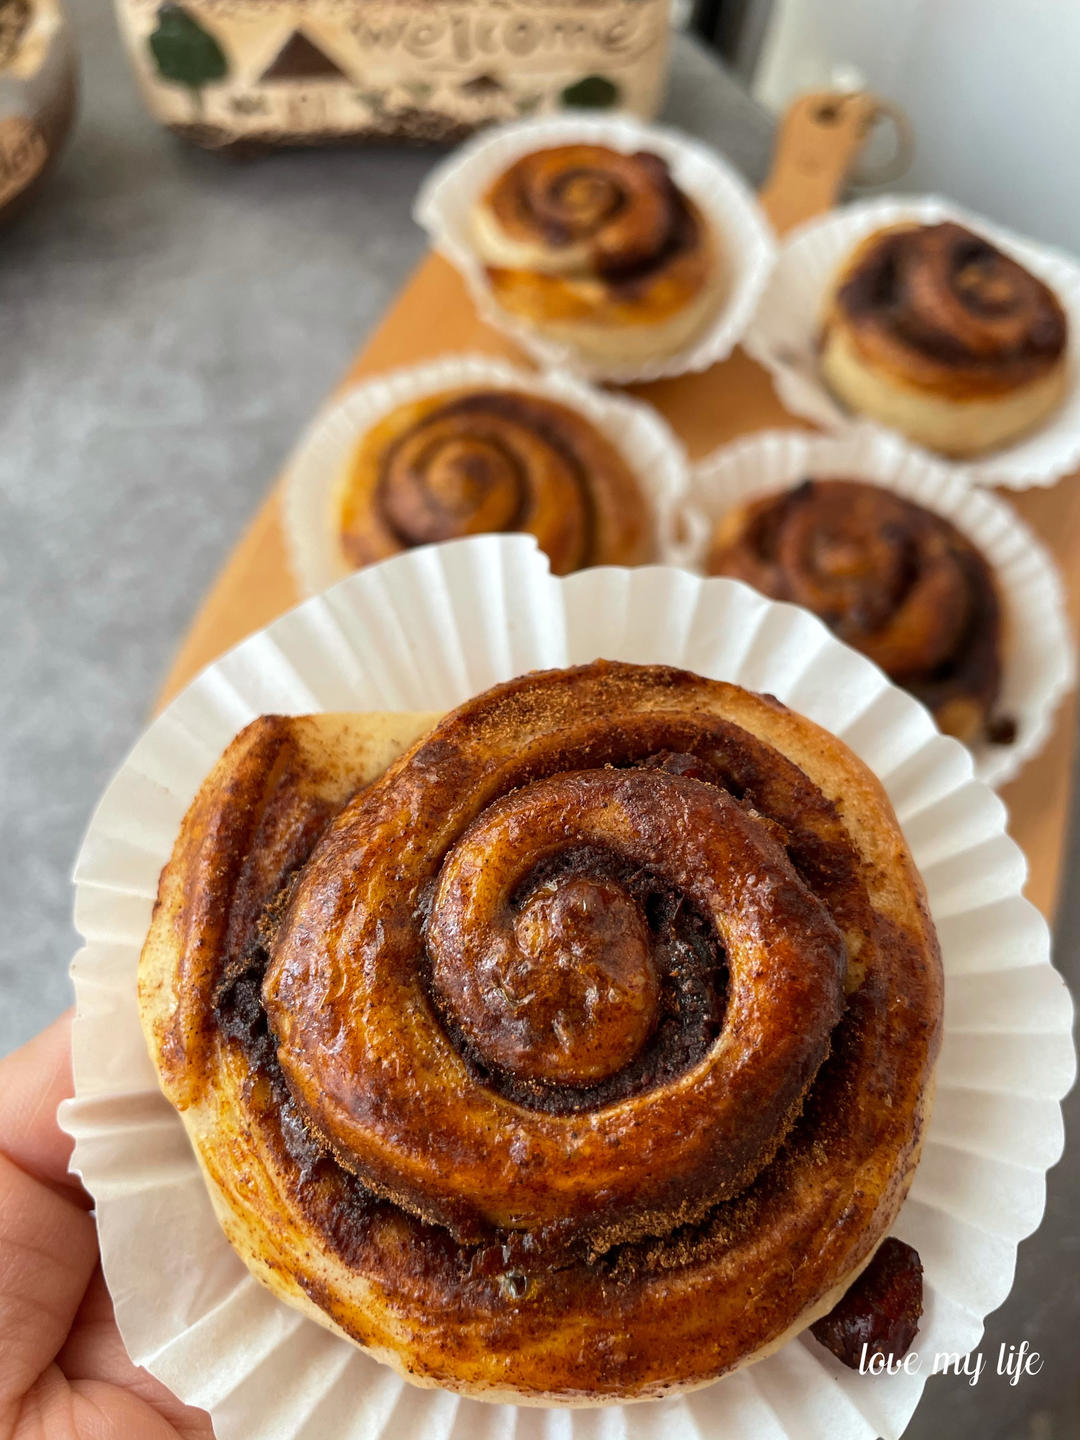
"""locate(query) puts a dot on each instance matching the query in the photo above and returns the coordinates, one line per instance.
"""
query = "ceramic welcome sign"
(301, 71)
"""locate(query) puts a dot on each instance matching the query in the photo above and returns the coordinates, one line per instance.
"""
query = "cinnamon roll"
(600, 250)
(466, 462)
(934, 331)
(892, 579)
(522, 1058)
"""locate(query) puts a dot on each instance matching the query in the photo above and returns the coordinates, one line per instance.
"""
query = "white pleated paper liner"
(783, 335)
(445, 202)
(425, 631)
(321, 460)
(1038, 663)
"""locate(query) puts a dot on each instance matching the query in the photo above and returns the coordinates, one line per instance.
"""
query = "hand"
(65, 1374)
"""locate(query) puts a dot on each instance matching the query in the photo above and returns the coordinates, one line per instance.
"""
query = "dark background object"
(735, 29)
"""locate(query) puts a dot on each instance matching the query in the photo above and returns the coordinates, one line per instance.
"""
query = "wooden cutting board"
(433, 315)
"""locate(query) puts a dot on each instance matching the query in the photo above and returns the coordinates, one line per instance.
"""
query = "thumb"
(48, 1244)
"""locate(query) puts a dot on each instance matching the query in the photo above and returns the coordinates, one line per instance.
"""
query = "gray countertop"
(169, 320)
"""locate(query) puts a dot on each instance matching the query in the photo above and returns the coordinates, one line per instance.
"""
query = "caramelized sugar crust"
(891, 578)
(525, 1058)
(469, 462)
(942, 309)
(586, 236)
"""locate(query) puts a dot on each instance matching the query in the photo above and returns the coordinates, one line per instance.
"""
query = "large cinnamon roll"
(467, 462)
(581, 1053)
(934, 331)
(891, 578)
(600, 250)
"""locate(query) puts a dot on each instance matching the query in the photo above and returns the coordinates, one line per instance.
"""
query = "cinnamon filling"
(892, 579)
(949, 296)
(469, 466)
(661, 1011)
(626, 210)
(470, 462)
(880, 1313)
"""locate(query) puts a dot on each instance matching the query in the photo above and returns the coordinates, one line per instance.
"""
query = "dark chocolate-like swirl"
(552, 975)
(625, 208)
(479, 461)
(880, 1313)
(589, 1016)
(941, 307)
(890, 577)
(611, 238)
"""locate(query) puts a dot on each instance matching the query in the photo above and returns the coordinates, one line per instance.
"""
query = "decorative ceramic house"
(287, 72)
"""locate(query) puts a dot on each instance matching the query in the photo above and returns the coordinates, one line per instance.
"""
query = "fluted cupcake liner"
(783, 335)
(1038, 664)
(321, 460)
(424, 631)
(445, 203)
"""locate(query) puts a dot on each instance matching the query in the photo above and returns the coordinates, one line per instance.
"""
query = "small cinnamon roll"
(468, 462)
(521, 1056)
(934, 331)
(599, 249)
(892, 579)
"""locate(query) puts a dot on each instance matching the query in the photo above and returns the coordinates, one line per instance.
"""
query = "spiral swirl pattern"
(599, 246)
(945, 309)
(526, 970)
(890, 577)
(471, 462)
(622, 210)
(524, 1063)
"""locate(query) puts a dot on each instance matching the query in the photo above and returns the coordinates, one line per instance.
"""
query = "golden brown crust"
(943, 308)
(599, 248)
(932, 329)
(644, 760)
(466, 462)
(891, 578)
